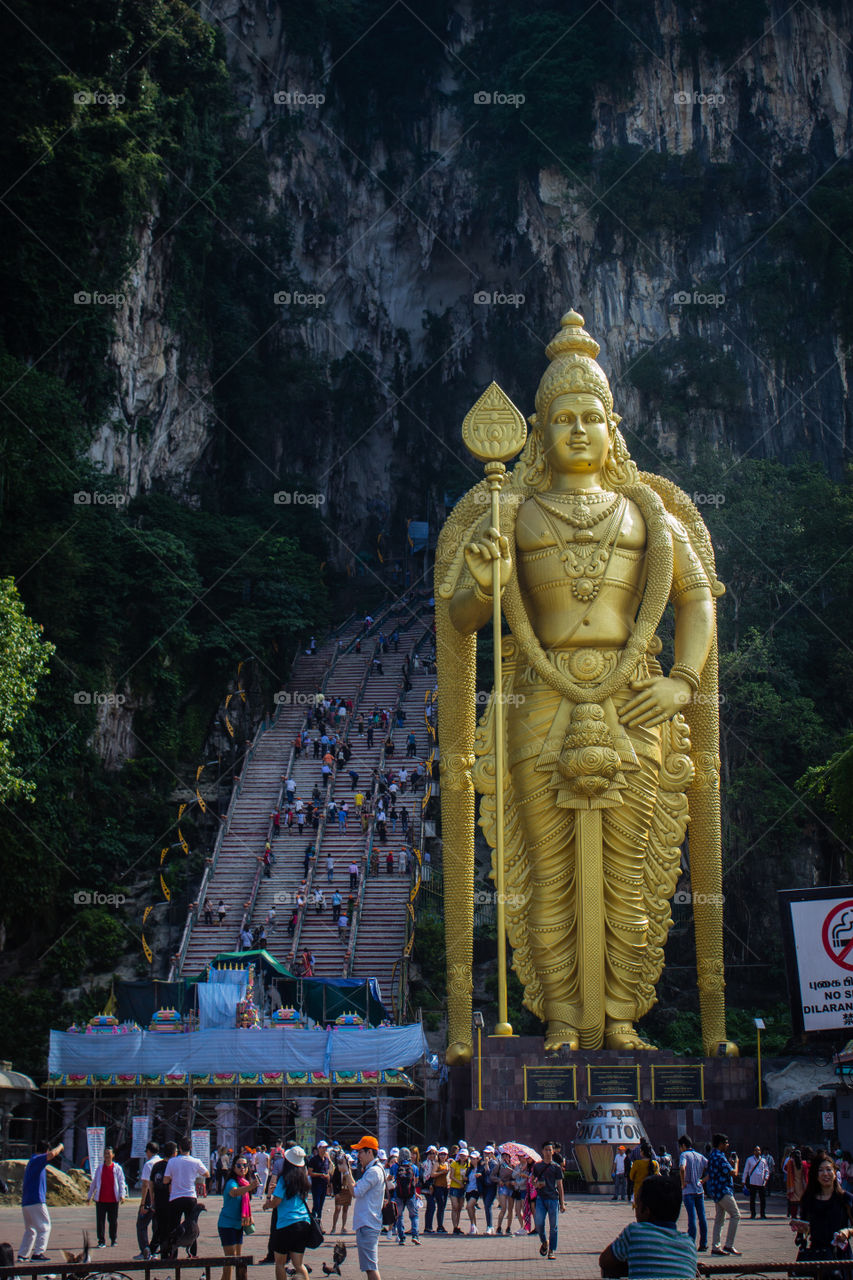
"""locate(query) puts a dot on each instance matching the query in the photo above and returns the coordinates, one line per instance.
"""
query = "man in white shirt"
(369, 1194)
(183, 1173)
(755, 1176)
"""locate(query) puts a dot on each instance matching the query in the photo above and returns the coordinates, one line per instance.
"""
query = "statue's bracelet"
(682, 672)
(480, 595)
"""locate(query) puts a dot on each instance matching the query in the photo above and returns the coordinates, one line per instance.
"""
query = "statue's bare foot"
(621, 1035)
(561, 1036)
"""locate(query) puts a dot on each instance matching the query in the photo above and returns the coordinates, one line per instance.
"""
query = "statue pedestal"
(697, 1096)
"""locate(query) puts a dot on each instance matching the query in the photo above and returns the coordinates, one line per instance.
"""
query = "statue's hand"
(482, 554)
(656, 699)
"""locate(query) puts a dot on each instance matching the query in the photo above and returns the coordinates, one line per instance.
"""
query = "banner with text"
(141, 1126)
(95, 1142)
(201, 1146)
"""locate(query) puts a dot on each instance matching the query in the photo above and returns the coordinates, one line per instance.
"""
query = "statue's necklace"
(585, 560)
(579, 515)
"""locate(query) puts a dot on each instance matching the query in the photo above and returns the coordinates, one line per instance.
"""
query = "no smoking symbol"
(837, 935)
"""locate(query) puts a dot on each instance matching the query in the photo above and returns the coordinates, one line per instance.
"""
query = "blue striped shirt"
(656, 1250)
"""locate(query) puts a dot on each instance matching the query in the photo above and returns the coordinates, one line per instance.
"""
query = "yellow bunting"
(167, 893)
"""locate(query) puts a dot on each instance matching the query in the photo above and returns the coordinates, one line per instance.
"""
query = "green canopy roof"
(242, 959)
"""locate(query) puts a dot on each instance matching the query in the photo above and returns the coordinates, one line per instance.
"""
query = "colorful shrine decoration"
(248, 1015)
(287, 1018)
(349, 1020)
(102, 1024)
(217, 1079)
(166, 1021)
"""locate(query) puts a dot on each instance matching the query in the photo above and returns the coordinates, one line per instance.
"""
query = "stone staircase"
(382, 919)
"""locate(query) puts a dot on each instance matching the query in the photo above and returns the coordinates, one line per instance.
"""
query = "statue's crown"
(573, 367)
(572, 337)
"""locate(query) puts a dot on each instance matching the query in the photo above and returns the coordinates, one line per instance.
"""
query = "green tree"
(24, 657)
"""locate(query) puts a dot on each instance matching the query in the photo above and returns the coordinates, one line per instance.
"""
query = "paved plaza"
(588, 1224)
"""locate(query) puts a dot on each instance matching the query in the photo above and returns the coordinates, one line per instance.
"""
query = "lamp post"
(759, 1027)
(479, 1024)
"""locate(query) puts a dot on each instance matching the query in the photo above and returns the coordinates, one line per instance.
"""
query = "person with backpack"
(406, 1195)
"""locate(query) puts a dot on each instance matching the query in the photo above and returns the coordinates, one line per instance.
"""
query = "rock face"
(385, 254)
(158, 429)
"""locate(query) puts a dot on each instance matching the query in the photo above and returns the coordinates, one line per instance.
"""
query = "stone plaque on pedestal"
(613, 1082)
(550, 1084)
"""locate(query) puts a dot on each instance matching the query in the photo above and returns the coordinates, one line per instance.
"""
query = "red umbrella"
(519, 1151)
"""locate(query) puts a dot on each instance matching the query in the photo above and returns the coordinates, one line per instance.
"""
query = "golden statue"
(600, 772)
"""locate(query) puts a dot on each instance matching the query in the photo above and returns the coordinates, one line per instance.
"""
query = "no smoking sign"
(837, 935)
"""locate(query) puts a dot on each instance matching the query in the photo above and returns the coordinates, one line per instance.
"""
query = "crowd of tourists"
(406, 1195)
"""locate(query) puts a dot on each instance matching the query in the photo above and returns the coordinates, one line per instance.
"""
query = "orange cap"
(367, 1143)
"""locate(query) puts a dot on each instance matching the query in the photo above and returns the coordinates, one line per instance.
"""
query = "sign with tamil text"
(817, 929)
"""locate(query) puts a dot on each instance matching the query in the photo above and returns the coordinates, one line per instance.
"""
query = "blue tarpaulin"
(235, 1049)
(217, 1004)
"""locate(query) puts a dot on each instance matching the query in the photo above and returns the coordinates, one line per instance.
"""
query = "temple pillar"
(386, 1122)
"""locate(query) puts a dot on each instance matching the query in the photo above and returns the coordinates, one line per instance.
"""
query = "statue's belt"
(586, 752)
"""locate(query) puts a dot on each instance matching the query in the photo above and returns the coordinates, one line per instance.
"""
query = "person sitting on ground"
(653, 1246)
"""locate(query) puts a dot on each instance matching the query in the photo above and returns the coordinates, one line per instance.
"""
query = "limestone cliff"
(378, 254)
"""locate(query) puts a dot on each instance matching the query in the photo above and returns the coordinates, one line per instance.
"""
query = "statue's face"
(576, 436)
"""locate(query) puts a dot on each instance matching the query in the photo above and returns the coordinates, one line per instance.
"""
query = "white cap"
(381, 1155)
(295, 1155)
(473, 1155)
(395, 1151)
(488, 1151)
(463, 1145)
